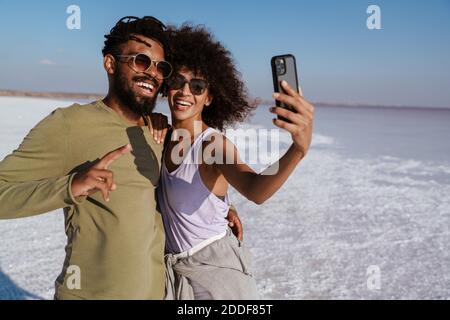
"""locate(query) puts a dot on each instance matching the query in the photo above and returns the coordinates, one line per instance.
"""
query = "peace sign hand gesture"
(98, 177)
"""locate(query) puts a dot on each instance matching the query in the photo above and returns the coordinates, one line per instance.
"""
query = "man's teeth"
(184, 103)
(145, 85)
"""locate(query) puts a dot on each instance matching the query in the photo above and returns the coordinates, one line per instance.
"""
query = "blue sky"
(339, 59)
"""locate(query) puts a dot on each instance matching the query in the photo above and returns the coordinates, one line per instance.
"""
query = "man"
(115, 233)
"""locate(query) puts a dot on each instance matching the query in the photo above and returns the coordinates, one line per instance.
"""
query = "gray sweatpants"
(222, 269)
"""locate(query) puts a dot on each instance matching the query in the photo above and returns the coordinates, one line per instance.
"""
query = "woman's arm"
(260, 187)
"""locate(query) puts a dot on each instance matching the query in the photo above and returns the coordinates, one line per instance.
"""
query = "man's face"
(138, 90)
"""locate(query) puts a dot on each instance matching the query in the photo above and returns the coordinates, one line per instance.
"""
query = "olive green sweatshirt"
(116, 248)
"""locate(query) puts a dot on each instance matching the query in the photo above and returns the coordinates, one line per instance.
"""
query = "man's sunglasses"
(146, 19)
(197, 86)
(142, 63)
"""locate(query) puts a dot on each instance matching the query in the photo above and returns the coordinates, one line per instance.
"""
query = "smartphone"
(284, 67)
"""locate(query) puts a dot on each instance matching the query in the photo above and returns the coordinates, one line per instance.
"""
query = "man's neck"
(123, 111)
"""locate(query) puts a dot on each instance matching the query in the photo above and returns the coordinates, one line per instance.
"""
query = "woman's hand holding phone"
(301, 117)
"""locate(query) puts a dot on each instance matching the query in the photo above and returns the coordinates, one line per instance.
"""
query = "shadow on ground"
(11, 291)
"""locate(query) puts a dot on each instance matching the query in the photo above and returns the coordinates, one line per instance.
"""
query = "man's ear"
(109, 63)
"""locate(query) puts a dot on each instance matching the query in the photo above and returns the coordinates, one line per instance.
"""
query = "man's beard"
(138, 104)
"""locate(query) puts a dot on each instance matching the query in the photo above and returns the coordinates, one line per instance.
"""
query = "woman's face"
(185, 104)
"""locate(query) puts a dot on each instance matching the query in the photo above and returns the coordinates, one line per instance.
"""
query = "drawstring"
(170, 276)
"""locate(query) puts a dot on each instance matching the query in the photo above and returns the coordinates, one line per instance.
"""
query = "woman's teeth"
(184, 103)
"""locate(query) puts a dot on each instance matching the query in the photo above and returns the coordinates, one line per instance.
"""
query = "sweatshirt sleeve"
(33, 179)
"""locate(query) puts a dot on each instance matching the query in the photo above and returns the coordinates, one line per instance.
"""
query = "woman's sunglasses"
(197, 86)
(142, 63)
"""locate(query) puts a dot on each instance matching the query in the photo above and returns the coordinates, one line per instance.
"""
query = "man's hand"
(235, 224)
(98, 177)
(302, 120)
(158, 125)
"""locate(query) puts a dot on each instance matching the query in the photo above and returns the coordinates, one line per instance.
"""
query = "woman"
(204, 259)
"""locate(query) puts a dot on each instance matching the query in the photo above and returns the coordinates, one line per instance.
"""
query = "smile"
(147, 88)
(183, 105)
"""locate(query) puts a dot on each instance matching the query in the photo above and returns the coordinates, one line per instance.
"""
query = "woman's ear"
(209, 100)
(109, 63)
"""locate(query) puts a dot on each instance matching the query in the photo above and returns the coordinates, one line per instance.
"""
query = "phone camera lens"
(280, 66)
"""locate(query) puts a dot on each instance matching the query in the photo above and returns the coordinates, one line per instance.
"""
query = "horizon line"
(258, 100)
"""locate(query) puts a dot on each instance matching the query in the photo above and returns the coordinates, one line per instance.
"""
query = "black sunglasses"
(197, 86)
(141, 62)
(129, 19)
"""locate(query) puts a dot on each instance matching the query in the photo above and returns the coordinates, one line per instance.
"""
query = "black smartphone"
(284, 67)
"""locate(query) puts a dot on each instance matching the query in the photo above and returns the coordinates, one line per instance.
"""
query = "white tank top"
(191, 213)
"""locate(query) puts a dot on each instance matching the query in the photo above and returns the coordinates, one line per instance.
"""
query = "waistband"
(199, 246)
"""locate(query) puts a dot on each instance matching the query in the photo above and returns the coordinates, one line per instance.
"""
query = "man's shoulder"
(79, 110)
(64, 115)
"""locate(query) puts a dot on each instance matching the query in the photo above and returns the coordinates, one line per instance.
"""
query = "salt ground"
(347, 207)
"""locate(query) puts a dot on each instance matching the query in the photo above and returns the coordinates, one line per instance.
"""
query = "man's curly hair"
(125, 28)
(194, 48)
